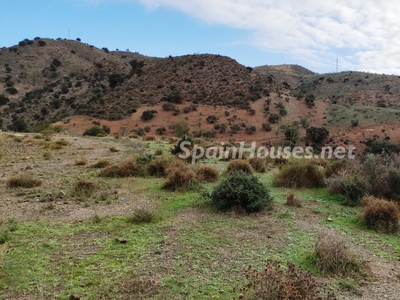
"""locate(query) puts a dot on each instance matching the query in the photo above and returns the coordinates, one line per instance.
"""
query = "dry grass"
(81, 161)
(159, 166)
(207, 174)
(276, 283)
(128, 168)
(113, 149)
(333, 257)
(237, 165)
(380, 214)
(259, 165)
(292, 200)
(298, 174)
(101, 163)
(180, 176)
(85, 188)
(23, 181)
(143, 215)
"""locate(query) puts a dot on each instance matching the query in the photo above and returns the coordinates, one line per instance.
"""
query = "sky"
(362, 35)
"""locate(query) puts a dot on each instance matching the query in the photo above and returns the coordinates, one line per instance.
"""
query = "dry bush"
(143, 215)
(238, 165)
(158, 152)
(128, 168)
(180, 176)
(333, 167)
(85, 188)
(333, 257)
(158, 167)
(207, 174)
(276, 283)
(101, 163)
(113, 149)
(81, 161)
(292, 200)
(299, 174)
(380, 214)
(23, 181)
(258, 164)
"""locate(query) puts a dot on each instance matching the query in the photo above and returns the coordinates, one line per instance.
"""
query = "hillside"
(44, 80)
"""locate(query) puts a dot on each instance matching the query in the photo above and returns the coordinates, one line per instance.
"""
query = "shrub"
(101, 163)
(84, 188)
(95, 131)
(258, 164)
(239, 165)
(207, 174)
(212, 119)
(381, 215)
(266, 127)
(298, 174)
(273, 118)
(354, 189)
(148, 115)
(180, 176)
(292, 200)
(241, 191)
(180, 128)
(143, 215)
(332, 256)
(128, 168)
(317, 134)
(115, 79)
(81, 161)
(23, 181)
(274, 282)
(159, 166)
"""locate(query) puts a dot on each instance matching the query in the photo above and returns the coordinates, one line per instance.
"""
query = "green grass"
(190, 252)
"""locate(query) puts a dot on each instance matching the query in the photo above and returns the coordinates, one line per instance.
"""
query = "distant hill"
(45, 80)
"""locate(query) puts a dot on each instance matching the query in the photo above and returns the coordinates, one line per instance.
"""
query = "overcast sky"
(362, 34)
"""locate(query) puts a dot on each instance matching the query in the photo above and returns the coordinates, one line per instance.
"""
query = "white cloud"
(313, 31)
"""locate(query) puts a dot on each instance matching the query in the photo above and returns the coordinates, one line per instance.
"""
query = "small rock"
(74, 297)
(61, 194)
(330, 220)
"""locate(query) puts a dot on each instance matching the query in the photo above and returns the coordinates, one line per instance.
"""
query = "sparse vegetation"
(276, 282)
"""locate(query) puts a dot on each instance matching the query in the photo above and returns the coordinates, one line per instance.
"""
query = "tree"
(317, 134)
(292, 133)
(310, 100)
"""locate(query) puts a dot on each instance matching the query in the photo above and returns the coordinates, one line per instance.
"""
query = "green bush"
(148, 115)
(299, 174)
(241, 191)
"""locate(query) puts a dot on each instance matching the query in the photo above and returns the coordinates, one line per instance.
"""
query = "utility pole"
(337, 65)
